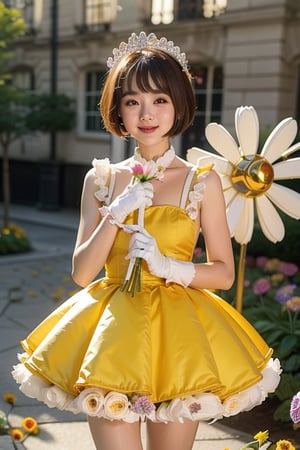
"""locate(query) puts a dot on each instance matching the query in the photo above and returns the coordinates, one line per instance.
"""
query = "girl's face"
(147, 116)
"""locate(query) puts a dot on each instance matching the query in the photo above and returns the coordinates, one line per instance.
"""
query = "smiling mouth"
(148, 129)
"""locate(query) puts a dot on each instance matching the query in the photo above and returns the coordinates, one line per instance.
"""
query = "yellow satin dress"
(166, 342)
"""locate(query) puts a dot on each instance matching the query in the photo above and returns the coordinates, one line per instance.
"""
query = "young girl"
(150, 341)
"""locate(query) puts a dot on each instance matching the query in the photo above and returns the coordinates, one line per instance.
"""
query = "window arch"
(208, 85)
(90, 85)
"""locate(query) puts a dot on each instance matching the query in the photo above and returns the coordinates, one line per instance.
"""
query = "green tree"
(12, 26)
(50, 113)
(12, 113)
(12, 125)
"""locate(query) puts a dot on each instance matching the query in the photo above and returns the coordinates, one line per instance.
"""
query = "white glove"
(133, 197)
(143, 245)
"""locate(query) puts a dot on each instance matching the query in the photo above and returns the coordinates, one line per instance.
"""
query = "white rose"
(271, 376)
(21, 373)
(232, 405)
(178, 410)
(251, 397)
(34, 387)
(205, 406)
(90, 401)
(116, 405)
(55, 397)
(163, 414)
(131, 416)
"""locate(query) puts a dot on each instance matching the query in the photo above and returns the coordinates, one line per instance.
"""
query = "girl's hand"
(143, 245)
(133, 197)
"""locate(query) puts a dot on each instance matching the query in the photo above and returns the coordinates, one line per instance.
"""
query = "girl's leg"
(115, 435)
(171, 436)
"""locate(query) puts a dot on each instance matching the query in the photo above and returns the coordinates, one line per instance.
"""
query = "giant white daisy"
(248, 177)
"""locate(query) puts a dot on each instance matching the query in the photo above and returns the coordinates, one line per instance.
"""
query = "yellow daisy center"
(252, 176)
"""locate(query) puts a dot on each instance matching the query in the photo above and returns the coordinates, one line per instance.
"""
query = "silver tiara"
(138, 42)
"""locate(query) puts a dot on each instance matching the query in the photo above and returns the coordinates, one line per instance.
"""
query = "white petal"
(291, 150)
(229, 194)
(234, 212)
(280, 139)
(201, 157)
(223, 142)
(247, 129)
(287, 169)
(286, 199)
(244, 230)
(269, 219)
(194, 153)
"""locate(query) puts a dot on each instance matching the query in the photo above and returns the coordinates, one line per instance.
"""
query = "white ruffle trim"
(117, 406)
(197, 193)
(102, 168)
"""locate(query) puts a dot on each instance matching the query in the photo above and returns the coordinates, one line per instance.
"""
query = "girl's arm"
(218, 271)
(94, 238)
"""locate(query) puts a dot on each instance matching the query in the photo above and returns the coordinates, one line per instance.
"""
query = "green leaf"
(282, 412)
(287, 345)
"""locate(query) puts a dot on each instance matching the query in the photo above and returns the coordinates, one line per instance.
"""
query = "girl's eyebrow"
(131, 92)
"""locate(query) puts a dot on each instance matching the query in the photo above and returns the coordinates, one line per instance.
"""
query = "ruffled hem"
(132, 408)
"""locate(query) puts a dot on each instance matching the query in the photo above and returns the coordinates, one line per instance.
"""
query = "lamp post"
(53, 55)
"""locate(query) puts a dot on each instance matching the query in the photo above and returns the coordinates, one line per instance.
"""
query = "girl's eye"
(130, 102)
(161, 100)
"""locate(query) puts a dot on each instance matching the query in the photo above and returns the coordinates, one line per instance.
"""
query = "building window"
(27, 10)
(162, 11)
(208, 85)
(165, 11)
(92, 118)
(23, 79)
(99, 13)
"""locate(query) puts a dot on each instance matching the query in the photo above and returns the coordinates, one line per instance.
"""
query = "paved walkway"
(31, 286)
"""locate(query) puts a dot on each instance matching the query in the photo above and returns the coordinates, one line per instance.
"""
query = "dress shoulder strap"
(193, 190)
(187, 186)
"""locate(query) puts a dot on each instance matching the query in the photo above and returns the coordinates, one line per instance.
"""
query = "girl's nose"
(146, 114)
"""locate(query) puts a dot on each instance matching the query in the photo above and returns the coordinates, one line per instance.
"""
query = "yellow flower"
(262, 436)
(10, 398)
(17, 434)
(67, 279)
(32, 294)
(284, 445)
(277, 278)
(30, 425)
(58, 294)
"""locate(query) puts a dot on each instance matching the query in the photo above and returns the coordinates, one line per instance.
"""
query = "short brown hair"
(143, 66)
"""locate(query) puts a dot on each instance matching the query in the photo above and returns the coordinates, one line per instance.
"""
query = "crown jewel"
(138, 42)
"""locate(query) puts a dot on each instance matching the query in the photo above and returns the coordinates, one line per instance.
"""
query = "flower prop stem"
(133, 281)
(241, 278)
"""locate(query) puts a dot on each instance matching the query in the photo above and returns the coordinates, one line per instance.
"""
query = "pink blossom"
(246, 283)
(288, 269)
(198, 252)
(293, 304)
(143, 405)
(137, 169)
(261, 286)
(295, 408)
(261, 261)
(194, 407)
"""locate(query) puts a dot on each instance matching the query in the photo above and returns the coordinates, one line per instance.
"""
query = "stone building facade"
(247, 55)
